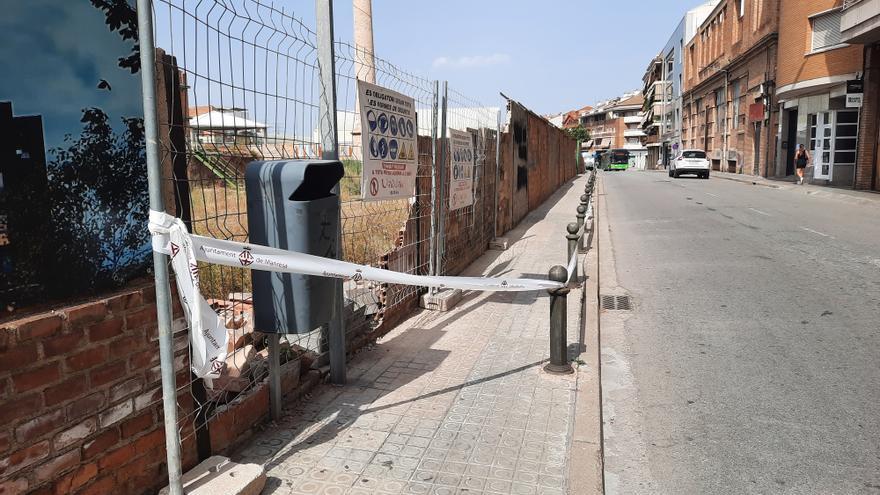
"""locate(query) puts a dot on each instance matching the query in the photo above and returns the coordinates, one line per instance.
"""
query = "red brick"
(20, 407)
(24, 457)
(117, 457)
(141, 317)
(149, 441)
(125, 301)
(36, 378)
(75, 433)
(18, 357)
(76, 479)
(64, 391)
(14, 487)
(39, 426)
(106, 329)
(52, 468)
(149, 293)
(101, 443)
(88, 358)
(62, 344)
(89, 404)
(86, 313)
(126, 388)
(46, 489)
(116, 413)
(138, 425)
(39, 326)
(107, 373)
(127, 345)
(143, 359)
(147, 399)
(101, 486)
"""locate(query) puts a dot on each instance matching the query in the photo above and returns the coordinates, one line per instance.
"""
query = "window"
(826, 30)
(845, 131)
(721, 104)
(694, 154)
(736, 96)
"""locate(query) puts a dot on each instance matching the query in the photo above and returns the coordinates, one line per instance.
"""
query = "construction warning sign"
(461, 169)
(390, 144)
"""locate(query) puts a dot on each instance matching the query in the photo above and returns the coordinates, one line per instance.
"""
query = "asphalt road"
(750, 362)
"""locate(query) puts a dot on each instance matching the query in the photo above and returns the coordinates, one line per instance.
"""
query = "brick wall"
(82, 400)
(868, 167)
(796, 64)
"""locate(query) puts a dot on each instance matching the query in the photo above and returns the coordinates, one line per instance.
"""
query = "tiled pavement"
(446, 403)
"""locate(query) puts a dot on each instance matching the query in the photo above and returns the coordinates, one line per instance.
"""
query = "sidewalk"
(445, 403)
(848, 195)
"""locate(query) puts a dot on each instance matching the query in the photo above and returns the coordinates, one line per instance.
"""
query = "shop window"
(845, 130)
(826, 30)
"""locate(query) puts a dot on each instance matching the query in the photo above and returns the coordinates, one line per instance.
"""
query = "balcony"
(634, 133)
(635, 119)
(860, 22)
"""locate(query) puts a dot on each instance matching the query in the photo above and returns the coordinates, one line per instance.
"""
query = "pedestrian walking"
(801, 158)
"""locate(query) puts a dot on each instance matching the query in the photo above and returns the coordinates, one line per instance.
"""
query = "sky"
(551, 55)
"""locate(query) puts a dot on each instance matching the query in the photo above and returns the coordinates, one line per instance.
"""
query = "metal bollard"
(572, 237)
(581, 216)
(558, 336)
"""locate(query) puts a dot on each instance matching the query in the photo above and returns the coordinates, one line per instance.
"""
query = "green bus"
(615, 160)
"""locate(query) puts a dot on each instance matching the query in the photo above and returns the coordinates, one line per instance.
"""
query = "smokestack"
(365, 64)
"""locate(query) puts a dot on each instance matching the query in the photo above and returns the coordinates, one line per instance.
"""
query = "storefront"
(829, 131)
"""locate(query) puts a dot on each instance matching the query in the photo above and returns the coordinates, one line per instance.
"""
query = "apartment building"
(813, 69)
(617, 123)
(728, 101)
(652, 110)
(860, 24)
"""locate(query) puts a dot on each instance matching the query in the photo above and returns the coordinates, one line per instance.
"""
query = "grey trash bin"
(291, 206)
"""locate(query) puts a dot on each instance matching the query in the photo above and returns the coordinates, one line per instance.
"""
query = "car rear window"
(694, 154)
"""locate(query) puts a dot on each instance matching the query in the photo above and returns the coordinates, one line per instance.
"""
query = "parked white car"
(690, 162)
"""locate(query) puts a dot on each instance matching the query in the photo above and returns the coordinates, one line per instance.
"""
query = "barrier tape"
(208, 333)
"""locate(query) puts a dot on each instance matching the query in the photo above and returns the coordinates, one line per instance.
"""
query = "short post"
(581, 215)
(275, 375)
(558, 336)
(572, 237)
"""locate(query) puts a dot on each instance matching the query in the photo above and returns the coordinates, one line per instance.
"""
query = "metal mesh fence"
(239, 81)
(242, 78)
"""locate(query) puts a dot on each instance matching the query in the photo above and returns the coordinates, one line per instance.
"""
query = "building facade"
(617, 124)
(729, 78)
(652, 109)
(860, 24)
(813, 69)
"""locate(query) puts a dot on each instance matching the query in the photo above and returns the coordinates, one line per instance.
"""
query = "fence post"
(558, 334)
(432, 256)
(441, 173)
(330, 146)
(160, 261)
(497, 171)
(581, 215)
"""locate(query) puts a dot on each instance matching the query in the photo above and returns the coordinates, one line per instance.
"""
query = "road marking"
(761, 212)
(710, 194)
(815, 232)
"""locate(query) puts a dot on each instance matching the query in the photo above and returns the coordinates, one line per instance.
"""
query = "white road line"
(710, 194)
(761, 212)
(815, 232)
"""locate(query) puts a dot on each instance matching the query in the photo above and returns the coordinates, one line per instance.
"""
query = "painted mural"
(73, 198)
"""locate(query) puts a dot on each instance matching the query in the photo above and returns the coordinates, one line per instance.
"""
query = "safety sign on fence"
(390, 144)
(461, 170)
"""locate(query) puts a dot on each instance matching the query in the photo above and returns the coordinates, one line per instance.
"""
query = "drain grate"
(619, 303)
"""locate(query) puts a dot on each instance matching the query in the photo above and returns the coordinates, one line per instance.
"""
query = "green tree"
(579, 133)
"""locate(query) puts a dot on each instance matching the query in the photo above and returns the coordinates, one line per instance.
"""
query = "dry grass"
(370, 229)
